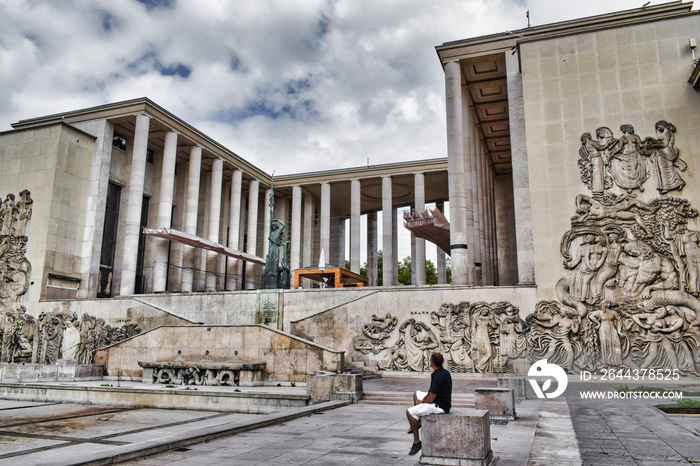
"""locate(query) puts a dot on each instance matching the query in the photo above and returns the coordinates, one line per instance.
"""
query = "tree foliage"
(404, 268)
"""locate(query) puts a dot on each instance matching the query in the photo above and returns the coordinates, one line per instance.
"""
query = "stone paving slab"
(568, 430)
(73, 434)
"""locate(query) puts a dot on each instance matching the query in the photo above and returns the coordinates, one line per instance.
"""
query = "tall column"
(295, 253)
(240, 265)
(455, 166)
(482, 216)
(133, 210)
(492, 212)
(307, 250)
(165, 210)
(95, 212)
(470, 136)
(341, 242)
(475, 149)
(419, 258)
(441, 262)
(388, 259)
(355, 226)
(326, 222)
(252, 234)
(372, 249)
(266, 223)
(192, 204)
(234, 230)
(216, 183)
(395, 246)
(414, 269)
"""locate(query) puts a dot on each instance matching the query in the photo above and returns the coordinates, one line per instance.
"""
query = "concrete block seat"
(462, 437)
(203, 373)
(499, 402)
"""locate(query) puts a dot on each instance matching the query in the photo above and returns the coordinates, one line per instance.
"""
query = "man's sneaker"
(415, 448)
(410, 429)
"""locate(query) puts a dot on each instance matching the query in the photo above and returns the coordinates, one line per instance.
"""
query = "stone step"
(355, 368)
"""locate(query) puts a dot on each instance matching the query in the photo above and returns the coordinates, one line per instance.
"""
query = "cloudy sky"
(289, 85)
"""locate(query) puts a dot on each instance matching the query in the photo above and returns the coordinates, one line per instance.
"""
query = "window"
(119, 141)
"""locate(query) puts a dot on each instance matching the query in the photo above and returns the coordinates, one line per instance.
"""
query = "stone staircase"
(459, 400)
(358, 367)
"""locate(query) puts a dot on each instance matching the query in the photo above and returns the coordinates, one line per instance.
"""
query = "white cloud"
(290, 86)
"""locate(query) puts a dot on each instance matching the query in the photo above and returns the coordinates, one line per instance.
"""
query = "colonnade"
(241, 221)
(213, 217)
(303, 244)
(471, 189)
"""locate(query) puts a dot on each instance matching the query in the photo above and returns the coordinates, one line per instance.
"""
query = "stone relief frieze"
(376, 332)
(15, 269)
(628, 297)
(629, 161)
(57, 335)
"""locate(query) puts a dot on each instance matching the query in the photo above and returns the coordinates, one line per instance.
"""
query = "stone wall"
(574, 84)
(53, 163)
(287, 357)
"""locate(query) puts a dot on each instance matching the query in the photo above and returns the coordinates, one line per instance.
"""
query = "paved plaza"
(564, 431)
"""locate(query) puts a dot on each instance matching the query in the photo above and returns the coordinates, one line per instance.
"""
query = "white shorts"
(423, 409)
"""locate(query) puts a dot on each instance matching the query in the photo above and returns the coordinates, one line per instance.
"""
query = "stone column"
(295, 247)
(326, 222)
(482, 221)
(307, 251)
(455, 166)
(372, 249)
(485, 260)
(441, 265)
(165, 210)
(234, 230)
(419, 258)
(492, 211)
(475, 146)
(133, 209)
(240, 264)
(252, 234)
(217, 171)
(355, 211)
(192, 205)
(414, 270)
(395, 246)
(521, 178)
(388, 259)
(470, 134)
(266, 223)
(95, 214)
(341, 242)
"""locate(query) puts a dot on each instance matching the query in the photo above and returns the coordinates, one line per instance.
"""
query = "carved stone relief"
(15, 269)
(629, 161)
(629, 295)
(57, 335)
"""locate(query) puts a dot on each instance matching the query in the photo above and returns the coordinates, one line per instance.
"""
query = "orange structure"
(332, 277)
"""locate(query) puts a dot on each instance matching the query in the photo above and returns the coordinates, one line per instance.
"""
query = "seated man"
(438, 400)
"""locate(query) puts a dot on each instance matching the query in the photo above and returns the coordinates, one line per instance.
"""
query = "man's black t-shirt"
(441, 385)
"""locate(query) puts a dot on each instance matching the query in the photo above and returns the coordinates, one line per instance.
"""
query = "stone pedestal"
(499, 402)
(462, 437)
(518, 384)
(326, 386)
(319, 386)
